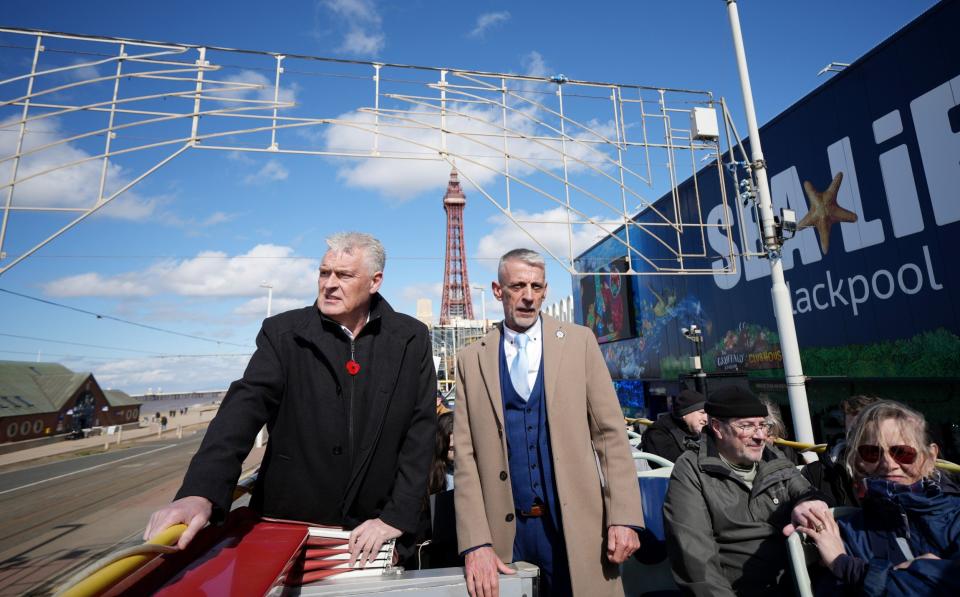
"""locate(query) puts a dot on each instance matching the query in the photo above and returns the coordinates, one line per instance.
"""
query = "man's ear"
(715, 426)
(497, 290)
(377, 281)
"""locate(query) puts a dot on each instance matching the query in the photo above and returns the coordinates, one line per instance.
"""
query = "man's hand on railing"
(193, 511)
(365, 541)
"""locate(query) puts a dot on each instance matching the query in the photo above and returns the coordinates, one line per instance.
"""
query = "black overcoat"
(292, 385)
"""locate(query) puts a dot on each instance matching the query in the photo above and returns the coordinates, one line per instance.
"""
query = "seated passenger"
(728, 501)
(829, 473)
(670, 435)
(778, 430)
(906, 539)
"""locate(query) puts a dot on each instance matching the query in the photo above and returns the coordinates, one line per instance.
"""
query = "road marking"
(87, 469)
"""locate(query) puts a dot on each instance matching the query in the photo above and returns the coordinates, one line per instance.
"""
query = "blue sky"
(187, 249)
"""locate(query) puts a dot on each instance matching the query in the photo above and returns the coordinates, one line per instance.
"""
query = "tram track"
(56, 522)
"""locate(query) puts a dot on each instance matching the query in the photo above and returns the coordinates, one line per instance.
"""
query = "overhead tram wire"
(149, 352)
(159, 356)
(119, 320)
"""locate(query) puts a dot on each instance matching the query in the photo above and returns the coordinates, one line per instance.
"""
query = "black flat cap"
(734, 402)
(687, 402)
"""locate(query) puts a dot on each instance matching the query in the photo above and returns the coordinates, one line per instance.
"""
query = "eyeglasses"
(751, 428)
(900, 454)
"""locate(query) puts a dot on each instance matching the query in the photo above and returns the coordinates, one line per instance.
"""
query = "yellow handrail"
(120, 565)
(944, 465)
(105, 573)
(800, 446)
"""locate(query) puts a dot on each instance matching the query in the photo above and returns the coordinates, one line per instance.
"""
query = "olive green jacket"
(722, 537)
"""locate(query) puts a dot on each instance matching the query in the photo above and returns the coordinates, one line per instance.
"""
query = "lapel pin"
(560, 334)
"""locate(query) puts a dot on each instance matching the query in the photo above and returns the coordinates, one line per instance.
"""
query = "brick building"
(43, 399)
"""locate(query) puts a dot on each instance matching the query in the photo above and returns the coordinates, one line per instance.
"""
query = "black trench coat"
(292, 384)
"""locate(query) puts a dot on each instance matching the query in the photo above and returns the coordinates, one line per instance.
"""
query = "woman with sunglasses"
(906, 538)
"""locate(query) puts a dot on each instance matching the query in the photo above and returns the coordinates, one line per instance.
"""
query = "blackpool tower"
(456, 285)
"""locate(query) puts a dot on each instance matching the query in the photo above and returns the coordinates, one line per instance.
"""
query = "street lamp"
(695, 334)
(261, 435)
(483, 302)
(269, 296)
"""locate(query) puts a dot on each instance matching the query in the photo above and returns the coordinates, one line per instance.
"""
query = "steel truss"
(600, 152)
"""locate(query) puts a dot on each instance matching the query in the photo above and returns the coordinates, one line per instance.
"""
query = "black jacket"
(829, 475)
(296, 383)
(667, 437)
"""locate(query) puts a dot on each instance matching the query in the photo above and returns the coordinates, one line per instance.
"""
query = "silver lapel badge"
(560, 334)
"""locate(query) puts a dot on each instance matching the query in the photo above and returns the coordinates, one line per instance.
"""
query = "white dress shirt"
(534, 349)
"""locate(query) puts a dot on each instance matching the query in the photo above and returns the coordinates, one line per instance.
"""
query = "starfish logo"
(824, 210)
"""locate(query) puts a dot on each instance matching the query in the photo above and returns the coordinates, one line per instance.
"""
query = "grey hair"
(347, 242)
(912, 425)
(525, 255)
(775, 418)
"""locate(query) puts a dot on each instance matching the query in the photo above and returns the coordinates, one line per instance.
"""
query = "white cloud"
(209, 274)
(534, 64)
(474, 140)
(427, 290)
(258, 306)
(486, 21)
(272, 171)
(171, 374)
(363, 43)
(254, 85)
(82, 71)
(361, 21)
(74, 186)
(553, 237)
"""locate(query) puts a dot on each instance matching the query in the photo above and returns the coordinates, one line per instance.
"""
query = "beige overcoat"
(595, 476)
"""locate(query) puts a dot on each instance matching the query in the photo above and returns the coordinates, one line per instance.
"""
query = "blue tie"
(520, 367)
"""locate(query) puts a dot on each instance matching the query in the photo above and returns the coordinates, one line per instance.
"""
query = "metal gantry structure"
(85, 119)
(550, 153)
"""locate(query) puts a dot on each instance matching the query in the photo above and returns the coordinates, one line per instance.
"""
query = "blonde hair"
(912, 425)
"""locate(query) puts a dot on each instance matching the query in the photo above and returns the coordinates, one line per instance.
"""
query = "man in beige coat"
(534, 398)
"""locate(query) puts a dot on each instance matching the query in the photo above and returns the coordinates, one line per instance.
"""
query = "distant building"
(42, 399)
(562, 309)
(211, 395)
(425, 311)
(450, 339)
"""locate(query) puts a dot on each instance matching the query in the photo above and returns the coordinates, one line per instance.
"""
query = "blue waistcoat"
(528, 443)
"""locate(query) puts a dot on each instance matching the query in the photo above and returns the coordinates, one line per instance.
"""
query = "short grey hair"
(348, 242)
(527, 256)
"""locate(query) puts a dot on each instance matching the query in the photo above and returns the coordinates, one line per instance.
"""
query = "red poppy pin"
(353, 367)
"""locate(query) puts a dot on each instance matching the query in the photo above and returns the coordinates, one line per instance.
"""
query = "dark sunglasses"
(900, 454)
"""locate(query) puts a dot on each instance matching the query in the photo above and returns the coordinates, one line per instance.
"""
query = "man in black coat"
(346, 389)
(672, 431)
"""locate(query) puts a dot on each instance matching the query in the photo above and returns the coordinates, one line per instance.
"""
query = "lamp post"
(773, 243)
(695, 335)
(262, 434)
(483, 303)
(269, 288)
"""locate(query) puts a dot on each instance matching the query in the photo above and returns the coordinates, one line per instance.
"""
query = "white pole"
(483, 303)
(262, 434)
(269, 297)
(783, 310)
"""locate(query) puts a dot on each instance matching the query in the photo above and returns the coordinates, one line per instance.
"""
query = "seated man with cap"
(674, 431)
(728, 501)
